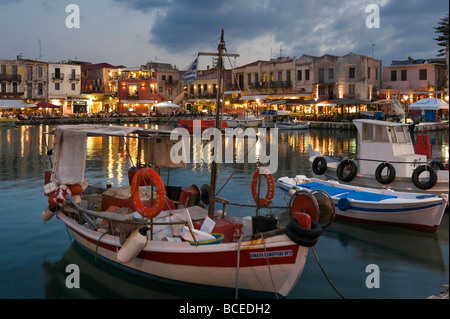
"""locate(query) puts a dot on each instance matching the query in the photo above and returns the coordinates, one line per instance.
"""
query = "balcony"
(11, 77)
(75, 78)
(133, 96)
(57, 76)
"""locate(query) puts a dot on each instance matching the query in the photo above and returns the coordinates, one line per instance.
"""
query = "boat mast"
(214, 165)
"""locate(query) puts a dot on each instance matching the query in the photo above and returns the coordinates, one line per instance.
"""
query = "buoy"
(48, 213)
(133, 245)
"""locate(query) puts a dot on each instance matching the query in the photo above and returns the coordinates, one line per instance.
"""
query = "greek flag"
(191, 73)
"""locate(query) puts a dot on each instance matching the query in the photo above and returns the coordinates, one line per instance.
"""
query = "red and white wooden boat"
(171, 245)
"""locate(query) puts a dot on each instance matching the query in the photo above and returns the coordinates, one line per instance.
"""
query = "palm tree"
(442, 39)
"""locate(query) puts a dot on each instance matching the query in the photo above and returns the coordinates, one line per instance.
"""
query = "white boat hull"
(295, 126)
(408, 210)
(207, 265)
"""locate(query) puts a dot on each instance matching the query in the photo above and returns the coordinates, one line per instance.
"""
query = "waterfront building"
(23, 81)
(414, 79)
(201, 93)
(64, 87)
(310, 85)
(99, 85)
(167, 78)
(137, 91)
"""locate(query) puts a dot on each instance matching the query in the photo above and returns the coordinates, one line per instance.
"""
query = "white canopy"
(163, 105)
(429, 104)
(12, 104)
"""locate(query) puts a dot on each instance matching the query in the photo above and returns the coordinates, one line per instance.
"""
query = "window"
(368, 72)
(3, 69)
(288, 76)
(14, 69)
(256, 78)
(351, 89)
(367, 132)
(330, 74)
(249, 78)
(15, 87)
(57, 86)
(40, 89)
(403, 75)
(3, 87)
(299, 75)
(163, 77)
(321, 73)
(264, 78)
(351, 72)
(133, 90)
(73, 86)
(271, 76)
(381, 134)
(394, 75)
(307, 75)
(40, 71)
(423, 74)
(280, 76)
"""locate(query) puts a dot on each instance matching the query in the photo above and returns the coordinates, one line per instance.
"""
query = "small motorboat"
(302, 125)
(418, 211)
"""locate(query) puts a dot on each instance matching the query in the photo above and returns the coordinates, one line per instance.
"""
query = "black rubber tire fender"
(341, 167)
(385, 180)
(313, 233)
(436, 165)
(424, 185)
(319, 169)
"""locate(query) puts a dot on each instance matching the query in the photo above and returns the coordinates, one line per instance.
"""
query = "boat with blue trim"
(385, 157)
(418, 211)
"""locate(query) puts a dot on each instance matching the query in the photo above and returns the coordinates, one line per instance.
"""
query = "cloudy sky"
(133, 32)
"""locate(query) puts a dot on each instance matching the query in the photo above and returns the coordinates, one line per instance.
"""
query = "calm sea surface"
(34, 254)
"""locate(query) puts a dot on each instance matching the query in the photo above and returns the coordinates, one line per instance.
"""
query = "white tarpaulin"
(166, 107)
(429, 104)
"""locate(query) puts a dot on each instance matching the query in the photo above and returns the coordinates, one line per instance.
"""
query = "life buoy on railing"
(391, 173)
(425, 184)
(158, 202)
(263, 202)
(349, 165)
(319, 165)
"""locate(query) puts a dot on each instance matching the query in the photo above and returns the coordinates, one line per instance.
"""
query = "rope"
(237, 266)
(323, 271)
(268, 264)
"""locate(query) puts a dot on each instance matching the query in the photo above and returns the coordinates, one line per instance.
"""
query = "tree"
(442, 39)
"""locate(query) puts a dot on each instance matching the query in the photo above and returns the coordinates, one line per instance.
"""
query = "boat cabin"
(386, 141)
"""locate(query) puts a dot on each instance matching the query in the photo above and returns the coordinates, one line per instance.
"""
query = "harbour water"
(34, 254)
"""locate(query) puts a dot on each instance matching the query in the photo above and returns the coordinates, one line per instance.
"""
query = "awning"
(12, 104)
(47, 105)
(232, 92)
(253, 97)
(429, 104)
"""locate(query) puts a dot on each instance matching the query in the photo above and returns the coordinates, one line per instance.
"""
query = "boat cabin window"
(400, 135)
(381, 134)
(367, 132)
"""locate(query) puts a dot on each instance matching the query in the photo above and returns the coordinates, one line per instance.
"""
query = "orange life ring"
(158, 203)
(263, 202)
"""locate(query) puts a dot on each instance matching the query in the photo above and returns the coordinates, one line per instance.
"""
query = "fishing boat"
(301, 125)
(386, 157)
(154, 230)
(249, 120)
(418, 211)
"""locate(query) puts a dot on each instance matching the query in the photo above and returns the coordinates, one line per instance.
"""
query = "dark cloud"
(313, 27)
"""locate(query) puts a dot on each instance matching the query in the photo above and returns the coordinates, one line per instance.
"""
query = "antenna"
(373, 46)
(40, 56)
(280, 52)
